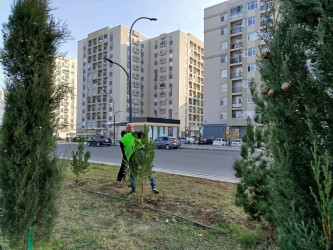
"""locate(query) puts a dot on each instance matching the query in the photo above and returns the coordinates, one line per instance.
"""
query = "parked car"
(237, 142)
(186, 140)
(205, 140)
(182, 140)
(219, 142)
(99, 140)
(196, 138)
(167, 142)
(80, 138)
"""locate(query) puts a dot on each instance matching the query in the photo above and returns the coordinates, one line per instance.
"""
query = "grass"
(91, 221)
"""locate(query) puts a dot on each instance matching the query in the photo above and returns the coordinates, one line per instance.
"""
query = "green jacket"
(130, 146)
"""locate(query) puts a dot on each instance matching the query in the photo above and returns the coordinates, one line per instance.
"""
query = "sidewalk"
(183, 146)
(209, 147)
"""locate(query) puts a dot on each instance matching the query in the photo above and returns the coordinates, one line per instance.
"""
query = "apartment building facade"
(176, 90)
(66, 75)
(232, 36)
(157, 72)
(103, 97)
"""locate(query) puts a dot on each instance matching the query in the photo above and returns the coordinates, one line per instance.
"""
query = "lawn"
(111, 218)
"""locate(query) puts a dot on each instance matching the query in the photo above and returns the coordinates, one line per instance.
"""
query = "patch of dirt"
(186, 207)
(208, 216)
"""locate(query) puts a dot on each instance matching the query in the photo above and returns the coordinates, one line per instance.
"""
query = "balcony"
(237, 89)
(236, 16)
(234, 117)
(236, 30)
(136, 84)
(236, 105)
(236, 75)
(236, 46)
(135, 101)
(136, 110)
(136, 50)
(235, 60)
(266, 6)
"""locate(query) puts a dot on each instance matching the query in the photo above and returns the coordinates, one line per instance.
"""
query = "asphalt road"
(211, 162)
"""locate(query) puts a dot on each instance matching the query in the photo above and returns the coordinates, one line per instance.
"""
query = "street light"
(114, 127)
(112, 62)
(130, 65)
(114, 117)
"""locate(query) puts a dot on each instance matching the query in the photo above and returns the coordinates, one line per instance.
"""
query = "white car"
(237, 142)
(219, 142)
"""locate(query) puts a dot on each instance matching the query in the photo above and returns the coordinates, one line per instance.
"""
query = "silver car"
(167, 142)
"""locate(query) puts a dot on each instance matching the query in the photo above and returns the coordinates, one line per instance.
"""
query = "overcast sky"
(86, 16)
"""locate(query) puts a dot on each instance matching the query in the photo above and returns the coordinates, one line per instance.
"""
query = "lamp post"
(130, 65)
(114, 127)
(112, 62)
(114, 116)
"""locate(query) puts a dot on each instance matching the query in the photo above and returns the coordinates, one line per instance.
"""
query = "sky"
(85, 16)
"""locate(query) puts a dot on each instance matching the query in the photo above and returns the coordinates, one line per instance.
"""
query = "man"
(124, 163)
(131, 146)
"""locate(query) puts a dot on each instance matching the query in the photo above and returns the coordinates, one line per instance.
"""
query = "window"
(224, 31)
(224, 73)
(224, 17)
(223, 101)
(224, 58)
(252, 36)
(250, 21)
(251, 67)
(252, 5)
(223, 87)
(223, 115)
(250, 52)
(224, 45)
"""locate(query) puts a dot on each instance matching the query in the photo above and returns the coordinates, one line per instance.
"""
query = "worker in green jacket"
(131, 146)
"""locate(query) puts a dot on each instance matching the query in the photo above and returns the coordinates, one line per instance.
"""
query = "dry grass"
(90, 221)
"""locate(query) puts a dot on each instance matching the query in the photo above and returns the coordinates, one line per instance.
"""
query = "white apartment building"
(232, 32)
(66, 74)
(103, 97)
(161, 71)
(176, 90)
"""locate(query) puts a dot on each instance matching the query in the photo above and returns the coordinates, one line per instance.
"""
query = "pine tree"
(30, 176)
(80, 162)
(144, 161)
(296, 103)
(253, 171)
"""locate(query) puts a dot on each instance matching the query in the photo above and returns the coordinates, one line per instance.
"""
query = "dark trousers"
(133, 176)
(123, 169)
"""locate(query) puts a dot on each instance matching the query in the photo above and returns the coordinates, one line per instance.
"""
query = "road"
(199, 161)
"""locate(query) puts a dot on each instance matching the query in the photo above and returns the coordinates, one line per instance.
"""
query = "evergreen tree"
(80, 162)
(29, 173)
(253, 171)
(296, 103)
(144, 161)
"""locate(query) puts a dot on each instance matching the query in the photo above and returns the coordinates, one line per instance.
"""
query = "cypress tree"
(296, 103)
(29, 173)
